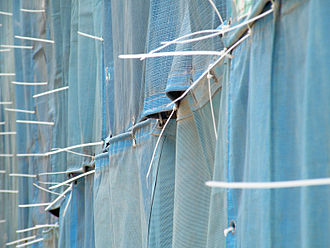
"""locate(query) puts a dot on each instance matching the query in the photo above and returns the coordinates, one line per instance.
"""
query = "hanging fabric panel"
(194, 162)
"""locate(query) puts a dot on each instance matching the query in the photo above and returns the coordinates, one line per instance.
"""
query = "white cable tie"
(9, 74)
(75, 146)
(51, 91)
(33, 10)
(59, 150)
(72, 179)
(52, 173)
(46, 190)
(166, 54)
(90, 36)
(16, 46)
(8, 191)
(31, 155)
(158, 140)
(67, 205)
(35, 122)
(20, 110)
(209, 76)
(76, 153)
(166, 44)
(7, 133)
(216, 10)
(51, 183)
(59, 198)
(30, 243)
(269, 185)
(4, 50)
(36, 227)
(216, 31)
(228, 230)
(5, 103)
(225, 52)
(34, 39)
(29, 83)
(20, 240)
(6, 13)
(22, 175)
(33, 205)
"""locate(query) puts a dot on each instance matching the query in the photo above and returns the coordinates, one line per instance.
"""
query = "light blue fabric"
(125, 32)
(270, 98)
(85, 63)
(124, 201)
(276, 129)
(194, 163)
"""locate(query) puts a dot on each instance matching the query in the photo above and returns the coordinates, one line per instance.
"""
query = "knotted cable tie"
(228, 230)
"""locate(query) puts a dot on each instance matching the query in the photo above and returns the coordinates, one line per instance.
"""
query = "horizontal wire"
(5, 103)
(59, 150)
(3, 221)
(8, 191)
(75, 146)
(30, 155)
(35, 122)
(46, 190)
(9, 74)
(269, 185)
(90, 36)
(33, 39)
(2, 172)
(167, 43)
(51, 183)
(20, 240)
(4, 50)
(216, 32)
(20, 110)
(33, 205)
(29, 83)
(30, 243)
(16, 46)
(7, 155)
(51, 91)
(33, 10)
(59, 197)
(76, 153)
(52, 173)
(6, 13)
(166, 54)
(36, 227)
(7, 133)
(72, 179)
(2, 123)
(22, 175)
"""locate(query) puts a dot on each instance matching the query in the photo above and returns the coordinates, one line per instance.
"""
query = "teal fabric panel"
(276, 129)
(194, 163)
(85, 75)
(133, 201)
(77, 215)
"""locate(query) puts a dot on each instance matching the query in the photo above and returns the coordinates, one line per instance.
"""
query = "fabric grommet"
(231, 229)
